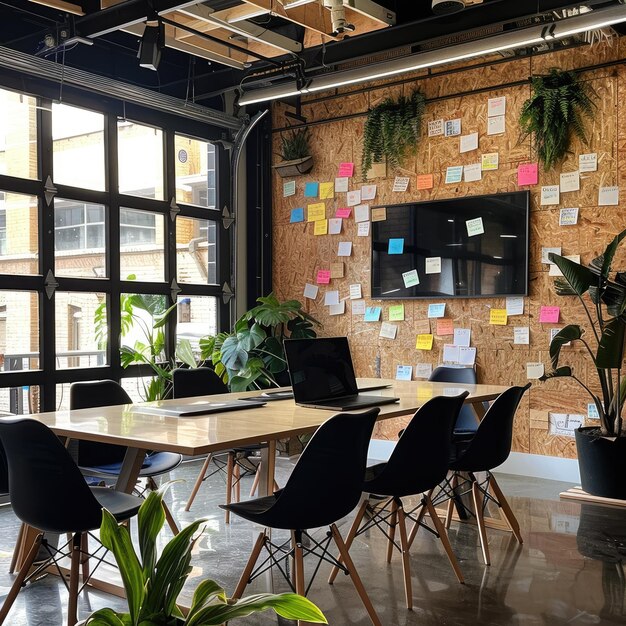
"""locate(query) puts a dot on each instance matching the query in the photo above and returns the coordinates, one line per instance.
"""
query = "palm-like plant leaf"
(610, 352)
(579, 277)
(565, 335)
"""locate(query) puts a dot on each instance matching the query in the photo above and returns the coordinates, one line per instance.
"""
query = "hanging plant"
(554, 113)
(392, 130)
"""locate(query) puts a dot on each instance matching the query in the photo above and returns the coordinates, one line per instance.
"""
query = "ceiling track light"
(151, 44)
(597, 19)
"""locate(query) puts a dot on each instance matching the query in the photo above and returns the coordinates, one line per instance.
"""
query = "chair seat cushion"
(121, 505)
(252, 510)
(153, 465)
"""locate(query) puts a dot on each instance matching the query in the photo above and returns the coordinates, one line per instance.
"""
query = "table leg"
(268, 467)
(479, 410)
(131, 466)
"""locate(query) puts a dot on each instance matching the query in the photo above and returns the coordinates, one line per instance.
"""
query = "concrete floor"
(567, 572)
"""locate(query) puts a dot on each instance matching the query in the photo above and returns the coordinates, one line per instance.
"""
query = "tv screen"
(469, 247)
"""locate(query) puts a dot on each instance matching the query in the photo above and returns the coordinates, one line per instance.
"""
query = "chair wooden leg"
(72, 603)
(19, 580)
(356, 580)
(247, 571)
(171, 522)
(351, 535)
(18, 544)
(392, 530)
(477, 497)
(509, 516)
(418, 521)
(406, 563)
(257, 479)
(237, 481)
(443, 536)
(84, 556)
(450, 510)
(199, 481)
(229, 483)
(298, 568)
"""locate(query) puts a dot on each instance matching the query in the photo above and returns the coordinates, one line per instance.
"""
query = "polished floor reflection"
(569, 570)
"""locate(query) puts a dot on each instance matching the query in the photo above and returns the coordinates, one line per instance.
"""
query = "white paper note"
(475, 227)
(289, 188)
(570, 181)
(310, 291)
(358, 307)
(353, 197)
(588, 162)
(550, 194)
(546, 251)
(362, 213)
(363, 229)
(331, 297)
(454, 174)
(608, 196)
(410, 278)
(452, 127)
(435, 127)
(368, 192)
(521, 335)
(388, 331)
(468, 142)
(404, 372)
(472, 173)
(515, 305)
(433, 265)
(496, 106)
(450, 353)
(568, 217)
(334, 225)
(467, 355)
(496, 125)
(355, 292)
(534, 370)
(345, 248)
(462, 336)
(400, 184)
(423, 370)
(337, 309)
(341, 184)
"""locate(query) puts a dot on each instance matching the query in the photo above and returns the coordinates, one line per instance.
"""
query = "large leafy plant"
(603, 298)
(554, 114)
(153, 583)
(252, 355)
(392, 130)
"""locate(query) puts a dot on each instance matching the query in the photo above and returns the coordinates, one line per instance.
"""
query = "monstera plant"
(252, 355)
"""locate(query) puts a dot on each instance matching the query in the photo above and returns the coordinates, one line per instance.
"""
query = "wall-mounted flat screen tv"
(468, 247)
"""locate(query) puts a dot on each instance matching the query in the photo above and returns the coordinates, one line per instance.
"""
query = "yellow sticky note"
(316, 212)
(396, 313)
(327, 191)
(321, 227)
(497, 316)
(336, 270)
(424, 342)
(379, 215)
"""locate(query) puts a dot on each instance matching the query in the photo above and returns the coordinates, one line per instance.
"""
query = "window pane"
(78, 147)
(80, 329)
(196, 318)
(195, 172)
(79, 239)
(20, 400)
(196, 251)
(19, 234)
(140, 160)
(142, 241)
(19, 330)
(18, 135)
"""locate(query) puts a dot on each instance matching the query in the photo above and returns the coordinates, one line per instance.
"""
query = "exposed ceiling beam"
(61, 5)
(242, 12)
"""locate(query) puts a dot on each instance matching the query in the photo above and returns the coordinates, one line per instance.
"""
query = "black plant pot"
(602, 464)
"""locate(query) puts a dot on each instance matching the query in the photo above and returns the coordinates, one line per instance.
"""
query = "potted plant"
(601, 449)
(554, 114)
(295, 153)
(252, 355)
(392, 130)
(153, 583)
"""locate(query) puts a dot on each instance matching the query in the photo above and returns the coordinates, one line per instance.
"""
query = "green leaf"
(150, 520)
(565, 335)
(184, 353)
(104, 617)
(610, 352)
(561, 372)
(206, 591)
(609, 254)
(250, 338)
(579, 277)
(233, 355)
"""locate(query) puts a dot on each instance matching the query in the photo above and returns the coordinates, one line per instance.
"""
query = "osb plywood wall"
(298, 254)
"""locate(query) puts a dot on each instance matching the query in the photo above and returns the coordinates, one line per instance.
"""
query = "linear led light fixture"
(596, 19)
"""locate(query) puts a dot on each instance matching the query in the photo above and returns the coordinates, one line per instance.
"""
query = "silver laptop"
(322, 375)
(194, 407)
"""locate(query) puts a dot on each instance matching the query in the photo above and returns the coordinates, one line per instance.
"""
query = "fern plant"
(554, 114)
(392, 130)
(295, 145)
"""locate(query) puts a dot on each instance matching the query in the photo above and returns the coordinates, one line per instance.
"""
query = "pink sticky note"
(323, 277)
(549, 314)
(343, 212)
(527, 174)
(346, 170)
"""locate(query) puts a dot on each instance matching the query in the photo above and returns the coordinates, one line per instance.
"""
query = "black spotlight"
(151, 45)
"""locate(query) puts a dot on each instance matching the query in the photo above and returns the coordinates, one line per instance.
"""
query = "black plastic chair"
(418, 464)
(325, 485)
(49, 493)
(105, 460)
(486, 450)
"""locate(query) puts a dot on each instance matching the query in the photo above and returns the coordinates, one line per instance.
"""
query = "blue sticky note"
(311, 190)
(437, 310)
(297, 215)
(372, 313)
(404, 372)
(396, 246)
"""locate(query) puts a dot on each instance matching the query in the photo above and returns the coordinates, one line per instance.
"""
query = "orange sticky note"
(424, 342)
(424, 181)
(445, 327)
(379, 215)
(498, 317)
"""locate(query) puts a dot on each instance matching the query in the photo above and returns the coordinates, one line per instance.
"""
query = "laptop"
(193, 408)
(322, 375)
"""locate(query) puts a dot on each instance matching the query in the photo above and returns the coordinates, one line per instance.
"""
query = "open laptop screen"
(320, 369)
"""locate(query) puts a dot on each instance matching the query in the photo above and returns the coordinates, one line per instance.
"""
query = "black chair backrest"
(199, 381)
(467, 375)
(420, 459)
(93, 394)
(491, 445)
(46, 487)
(326, 482)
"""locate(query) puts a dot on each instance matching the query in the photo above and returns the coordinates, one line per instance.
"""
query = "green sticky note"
(396, 313)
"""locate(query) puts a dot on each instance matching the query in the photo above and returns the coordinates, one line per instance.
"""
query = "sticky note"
(444, 327)
(368, 192)
(423, 370)
(550, 194)
(467, 355)
(355, 291)
(454, 174)
(462, 336)
(450, 353)
(316, 212)
(297, 215)
(311, 190)
(331, 297)
(372, 313)
(388, 331)
(289, 188)
(515, 305)
(358, 307)
(534, 370)
(344, 248)
(436, 310)
(396, 313)
(435, 127)
(327, 191)
(379, 215)
(468, 142)
(496, 125)
(362, 213)
(568, 217)
(321, 227)
(432, 265)
(336, 270)
(337, 309)
(496, 106)
(353, 197)
(452, 128)
(424, 342)
(310, 291)
(490, 161)
(422, 326)
(346, 170)
(410, 278)
(521, 335)
(549, 314)
(498, 317)
(323, 277)
(341, 184)
(396, 246)
(588, 162)
(424, 181)
(608, 196)
(343, 212)
(400, 184)
(404, 372)
(545, 254)
(472, 173)
(527, 174)
(475, 227)
(363, 229)
(334, 225)
(569, 181)
(592, 411)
